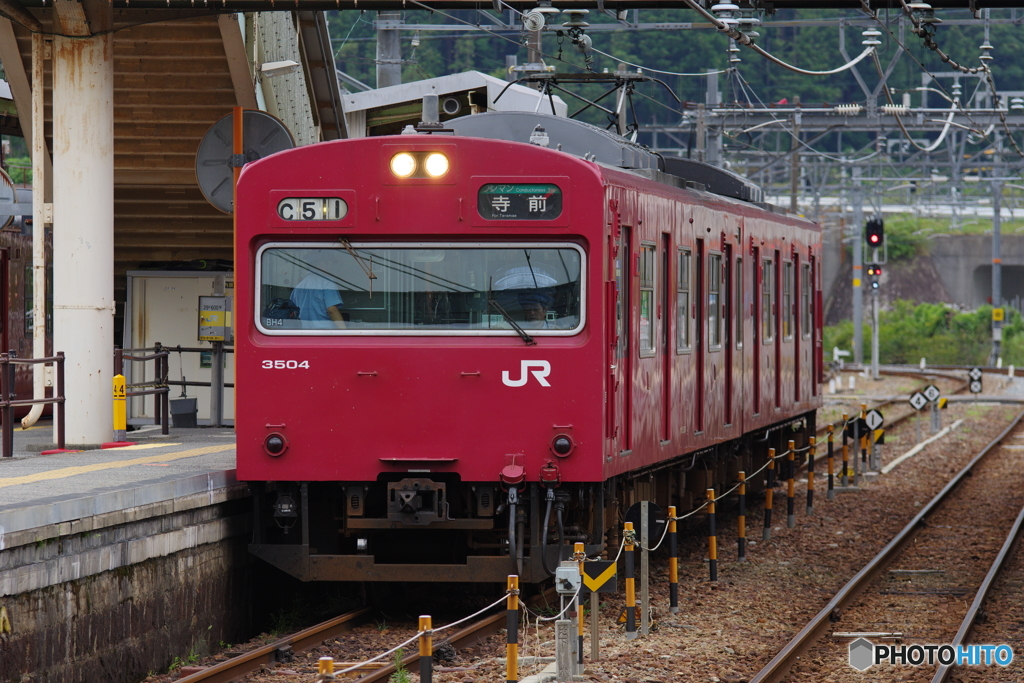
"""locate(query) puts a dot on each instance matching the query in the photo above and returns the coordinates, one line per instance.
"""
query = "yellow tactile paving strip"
(65, 472)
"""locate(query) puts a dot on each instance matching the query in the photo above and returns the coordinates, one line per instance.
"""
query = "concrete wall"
(109, 596)
(964, 262)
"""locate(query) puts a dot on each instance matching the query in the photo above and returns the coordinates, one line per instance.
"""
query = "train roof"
(602, 146)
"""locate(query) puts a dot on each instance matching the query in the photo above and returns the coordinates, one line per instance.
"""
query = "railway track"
(284, 649)
(937, 537)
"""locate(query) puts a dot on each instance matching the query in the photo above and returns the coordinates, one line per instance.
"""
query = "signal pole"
(858, 270)
(997, 275)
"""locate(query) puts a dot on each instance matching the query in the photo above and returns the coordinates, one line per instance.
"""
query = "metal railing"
(9, 398)
(158, 387)
(217, 385)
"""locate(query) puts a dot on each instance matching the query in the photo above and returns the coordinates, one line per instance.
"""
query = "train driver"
(526, 293)
(317, 294)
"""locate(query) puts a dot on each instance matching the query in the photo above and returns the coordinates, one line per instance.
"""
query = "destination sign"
(312, 208)
(519, 201)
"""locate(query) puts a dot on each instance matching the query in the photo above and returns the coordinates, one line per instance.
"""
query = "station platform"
(39, 490)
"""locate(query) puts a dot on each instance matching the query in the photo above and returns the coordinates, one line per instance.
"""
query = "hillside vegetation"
(938, 333)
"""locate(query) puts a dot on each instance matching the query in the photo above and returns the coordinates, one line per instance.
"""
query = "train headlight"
(403, 164)
(275, 444)
(436, 165)
(562, 445)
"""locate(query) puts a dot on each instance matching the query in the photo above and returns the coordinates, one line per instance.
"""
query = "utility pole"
(389, 49)
(858, 269)
(794, 160)
(997, 275)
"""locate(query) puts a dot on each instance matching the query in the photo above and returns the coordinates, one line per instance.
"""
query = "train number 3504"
(285, 364)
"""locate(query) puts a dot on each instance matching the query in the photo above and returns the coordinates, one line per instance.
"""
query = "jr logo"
(542, 371)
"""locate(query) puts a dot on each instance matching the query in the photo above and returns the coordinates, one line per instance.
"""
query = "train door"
(777, 312)
(727, 318)
(623, 366)
(758, 331)
(664, 315)
(701, 339)
(815, 324)
(797, 330)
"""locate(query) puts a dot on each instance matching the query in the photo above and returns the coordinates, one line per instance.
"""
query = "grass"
(401, 674)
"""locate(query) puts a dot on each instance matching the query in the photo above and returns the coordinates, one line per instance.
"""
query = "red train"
(458, 352)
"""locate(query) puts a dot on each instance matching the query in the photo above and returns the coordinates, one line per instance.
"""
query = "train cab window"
(423, 288)
(738, 308)
(647, 310)
(767, 301)
(714, 301)
(683, 301)
(787, 301)
(806, 323)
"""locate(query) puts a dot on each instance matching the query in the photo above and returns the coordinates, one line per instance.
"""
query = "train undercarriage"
(436, 528)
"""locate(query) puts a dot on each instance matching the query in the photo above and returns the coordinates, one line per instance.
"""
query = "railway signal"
(974, 374)
(874, 272)
(875, 233)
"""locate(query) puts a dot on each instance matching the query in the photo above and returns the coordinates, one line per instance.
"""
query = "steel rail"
(967, 626)
(236, 667)
(466, 637)
(780, 665)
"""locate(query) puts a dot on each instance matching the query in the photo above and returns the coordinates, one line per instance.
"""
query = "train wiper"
(515, 326)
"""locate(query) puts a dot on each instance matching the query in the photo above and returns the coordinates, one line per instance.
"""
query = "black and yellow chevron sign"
(599, 577)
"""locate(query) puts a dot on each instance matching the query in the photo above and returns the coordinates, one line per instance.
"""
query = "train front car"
(419, 385)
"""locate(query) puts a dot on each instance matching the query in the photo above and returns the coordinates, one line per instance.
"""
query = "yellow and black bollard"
(426, 650)
(120, 409)
(512, 631)
(741, 519)
(791, 486)
(580, 556)
(810, 476)
(844, 475)
(673, 562)
(712, 537)
(831, 463)
(768, 491)
(863, 441)
(630, 537)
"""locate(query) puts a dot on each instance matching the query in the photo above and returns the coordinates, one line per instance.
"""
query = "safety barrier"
(9, 400)
(158, 387)
(630, 544)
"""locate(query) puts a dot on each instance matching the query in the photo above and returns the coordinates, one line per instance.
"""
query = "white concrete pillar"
(83, 230)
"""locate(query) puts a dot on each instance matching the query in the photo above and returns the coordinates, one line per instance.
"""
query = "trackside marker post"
(120, 409)
(426, 650)
(791, 486)
(741, 519)
(325, 669)
(673, 562)
(712, 537)
(810, 476)
(831, 464)
(845, 472)
(512, 631)
(767, 533)
(580, 556)
(630, 536)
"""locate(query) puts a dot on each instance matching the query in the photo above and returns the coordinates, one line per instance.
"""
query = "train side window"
(647, 303)
(787, 301)
(683, 339)
(805, 301)
(767, 301)
(714, 302)
(738, 308)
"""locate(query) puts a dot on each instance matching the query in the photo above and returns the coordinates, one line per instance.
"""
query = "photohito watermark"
(864, 654)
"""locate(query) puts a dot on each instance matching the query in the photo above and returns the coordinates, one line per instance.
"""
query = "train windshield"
(339, 288)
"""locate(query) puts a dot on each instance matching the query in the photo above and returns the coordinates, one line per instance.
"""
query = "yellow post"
(120, 409)
(325, 667)
(766, 533)
(791, 485)
(741, 519)
(844, 477)
(580, 555)
(512, 631)
(712, 537)
(426, 650)
(810, 475)
(831, 463)
(673, 561)
(630, 537)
